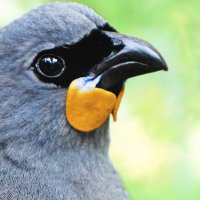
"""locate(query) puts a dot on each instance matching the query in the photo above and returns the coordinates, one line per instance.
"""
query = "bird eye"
(50, 66)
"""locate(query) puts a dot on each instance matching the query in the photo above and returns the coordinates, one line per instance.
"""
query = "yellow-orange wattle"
(87, 110)
(118, 102)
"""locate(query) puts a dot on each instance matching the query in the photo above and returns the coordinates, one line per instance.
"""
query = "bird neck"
(97, 141)
(24, 152)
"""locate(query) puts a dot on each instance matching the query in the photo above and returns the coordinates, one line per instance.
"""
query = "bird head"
(62, 73)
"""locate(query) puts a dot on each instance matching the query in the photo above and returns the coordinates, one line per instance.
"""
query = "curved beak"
(100, 93)
(130, 57)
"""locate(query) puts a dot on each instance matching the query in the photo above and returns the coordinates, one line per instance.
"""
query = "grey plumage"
(41, 156)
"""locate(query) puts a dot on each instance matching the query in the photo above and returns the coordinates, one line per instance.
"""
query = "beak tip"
(163, 64)
(165, 67)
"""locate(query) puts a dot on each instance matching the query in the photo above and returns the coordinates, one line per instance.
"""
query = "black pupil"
(51, 66)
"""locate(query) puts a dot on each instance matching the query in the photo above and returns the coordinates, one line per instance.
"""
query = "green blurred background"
(156, 141)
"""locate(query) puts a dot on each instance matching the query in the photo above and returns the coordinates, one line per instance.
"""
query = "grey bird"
(44, 155)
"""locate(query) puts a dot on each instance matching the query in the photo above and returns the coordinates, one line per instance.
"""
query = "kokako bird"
(62, 73)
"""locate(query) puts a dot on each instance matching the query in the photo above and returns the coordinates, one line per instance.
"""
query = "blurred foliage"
(156, 142)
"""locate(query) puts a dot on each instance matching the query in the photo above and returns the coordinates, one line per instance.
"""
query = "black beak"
(130, 57)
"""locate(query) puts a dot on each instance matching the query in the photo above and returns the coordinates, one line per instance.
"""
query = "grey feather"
(41, 156)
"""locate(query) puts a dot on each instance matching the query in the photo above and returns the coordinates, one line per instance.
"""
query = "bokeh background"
(156, 141)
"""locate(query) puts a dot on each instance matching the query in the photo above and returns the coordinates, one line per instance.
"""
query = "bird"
(62, 74)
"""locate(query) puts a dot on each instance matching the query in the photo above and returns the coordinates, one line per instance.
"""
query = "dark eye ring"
(50, 66)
